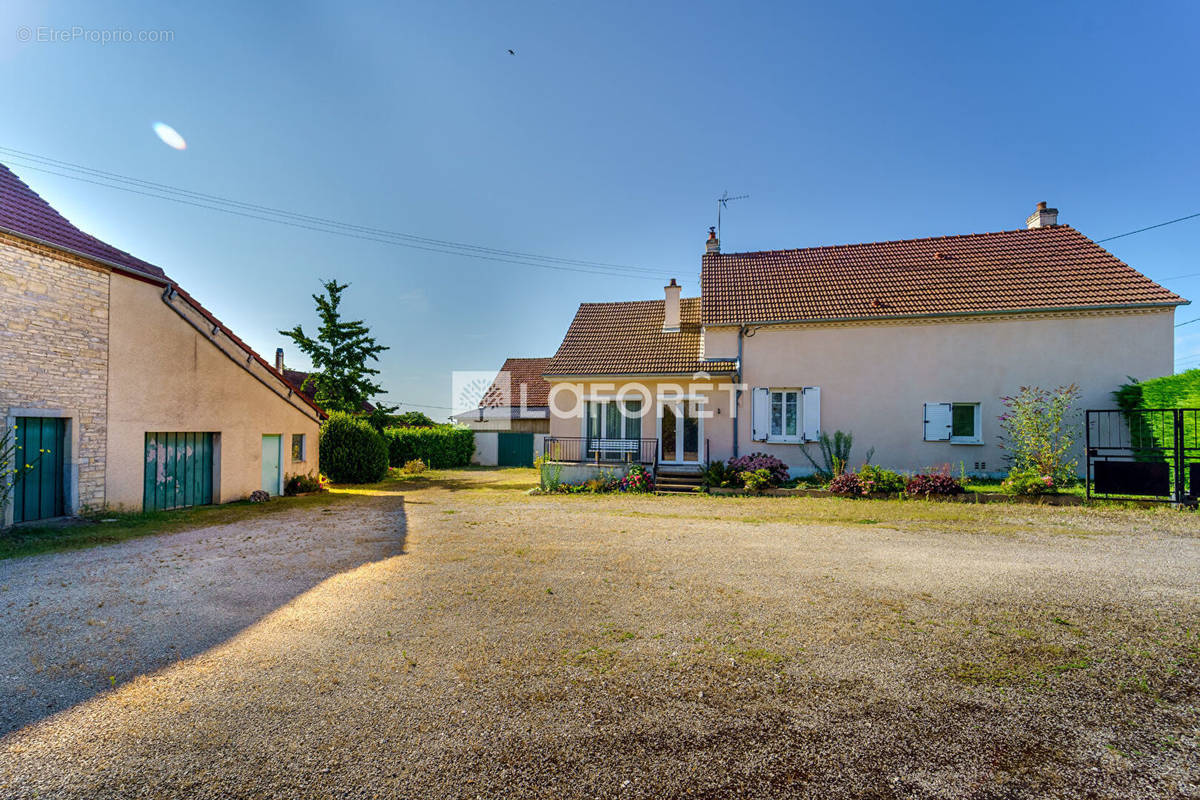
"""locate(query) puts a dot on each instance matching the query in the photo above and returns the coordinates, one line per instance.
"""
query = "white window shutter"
(812, 413)
(760, 414)
(937, 422)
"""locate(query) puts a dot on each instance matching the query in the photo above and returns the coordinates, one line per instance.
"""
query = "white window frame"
(303, 447)
(978, 437)
(798, 398)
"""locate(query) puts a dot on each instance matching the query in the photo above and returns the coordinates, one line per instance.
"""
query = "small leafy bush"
(301, 484)
(414, 467)
(1040, 428)
(847, 485)
(351, 450)
(1028, 481)
(716, 475)
(757, 481)
(940, 482)
(754, 462)
(637, 480)
(878, 479)
(443, 447)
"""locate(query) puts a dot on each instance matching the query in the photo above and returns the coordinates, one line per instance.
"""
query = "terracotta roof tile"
(1036, 268)
(25, 213)
(525, 372)
(628, 339)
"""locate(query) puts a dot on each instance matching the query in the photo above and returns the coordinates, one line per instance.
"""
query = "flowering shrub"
(754, 462)
(931, 483)
(302, 484)
(1028, 481)
(756, 481)
(414, 467)
(637, 480)
(848, 485)
(717, 474)
(1039, 431)
(878, 479)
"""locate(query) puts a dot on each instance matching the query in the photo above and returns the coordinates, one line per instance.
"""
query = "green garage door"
(179, 470)
(40, 492)
(515, 450)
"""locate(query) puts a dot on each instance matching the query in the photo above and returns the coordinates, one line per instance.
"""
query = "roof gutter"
(952, 314)
(124, 270)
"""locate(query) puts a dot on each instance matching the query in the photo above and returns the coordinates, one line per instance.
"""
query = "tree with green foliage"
(341, 379)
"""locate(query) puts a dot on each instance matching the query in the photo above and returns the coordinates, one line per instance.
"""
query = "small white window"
(965, 419)
(786, 415)
(298, 442)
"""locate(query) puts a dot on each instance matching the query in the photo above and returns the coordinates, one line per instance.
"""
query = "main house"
(139, 396)
(909, 345)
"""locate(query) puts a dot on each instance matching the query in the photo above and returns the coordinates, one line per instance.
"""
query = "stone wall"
(54, 352)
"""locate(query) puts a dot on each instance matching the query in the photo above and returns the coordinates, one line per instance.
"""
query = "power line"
(319, 224)
(1189, 322)
(1149, 228)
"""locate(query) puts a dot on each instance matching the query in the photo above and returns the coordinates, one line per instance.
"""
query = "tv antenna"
(722, 202)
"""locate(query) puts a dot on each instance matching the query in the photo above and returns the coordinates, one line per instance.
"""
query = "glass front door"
(681, 432)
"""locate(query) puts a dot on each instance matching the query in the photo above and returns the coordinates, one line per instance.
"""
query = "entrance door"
(40, 492)
(272, 459)
(680, 432)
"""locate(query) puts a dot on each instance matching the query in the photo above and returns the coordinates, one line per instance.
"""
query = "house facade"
(122, 390)
(909, 345)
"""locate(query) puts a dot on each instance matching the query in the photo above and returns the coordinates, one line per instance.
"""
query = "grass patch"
(89, 531)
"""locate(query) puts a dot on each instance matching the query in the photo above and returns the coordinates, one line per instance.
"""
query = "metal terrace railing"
(580, 450)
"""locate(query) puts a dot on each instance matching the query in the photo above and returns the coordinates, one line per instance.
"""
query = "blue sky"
(606, 138)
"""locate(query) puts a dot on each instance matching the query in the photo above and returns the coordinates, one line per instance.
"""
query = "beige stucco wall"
(719, 342)
(54, 355)
(167, 376)
(875, 379)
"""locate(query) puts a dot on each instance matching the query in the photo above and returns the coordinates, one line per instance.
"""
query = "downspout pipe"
(737, 395)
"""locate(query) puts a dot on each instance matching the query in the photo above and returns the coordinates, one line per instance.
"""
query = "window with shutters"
(786, 415)
(957, 423)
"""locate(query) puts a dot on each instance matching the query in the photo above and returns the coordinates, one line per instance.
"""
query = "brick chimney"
(671, 309)
(279, 358)
(1043, 217)
(713, 245)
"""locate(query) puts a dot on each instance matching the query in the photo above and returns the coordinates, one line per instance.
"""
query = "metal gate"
(514, 450)
(1146, 454)
(40, 491)
(179, 470)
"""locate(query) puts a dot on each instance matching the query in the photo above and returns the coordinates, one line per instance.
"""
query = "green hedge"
(351, 450)
(1150, 432)
(442, 447)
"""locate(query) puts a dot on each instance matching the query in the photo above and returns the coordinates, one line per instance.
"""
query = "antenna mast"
(721, 203)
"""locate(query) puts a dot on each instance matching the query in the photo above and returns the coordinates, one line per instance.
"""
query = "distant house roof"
(1054, 267)
(628, 339)
(297, 378)
(522, 373)
(23, 213)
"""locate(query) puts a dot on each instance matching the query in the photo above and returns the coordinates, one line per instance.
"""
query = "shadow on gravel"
(81, 622)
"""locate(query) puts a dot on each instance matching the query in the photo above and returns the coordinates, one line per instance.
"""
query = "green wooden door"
(515, 450)
(272, 461)
(179, 470)
(40, 492)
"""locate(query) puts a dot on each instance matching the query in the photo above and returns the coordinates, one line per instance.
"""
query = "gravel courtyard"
(454, 637)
